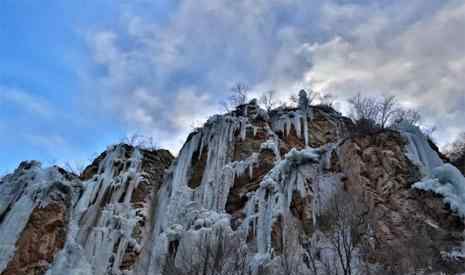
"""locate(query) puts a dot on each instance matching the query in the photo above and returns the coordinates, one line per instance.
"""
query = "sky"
(76, 76)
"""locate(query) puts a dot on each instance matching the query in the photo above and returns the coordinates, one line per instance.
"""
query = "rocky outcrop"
(36, 204)
(43, 236)
(115, 213)
(258, 187)
(107, 209)
(414, 223)
(460, 164)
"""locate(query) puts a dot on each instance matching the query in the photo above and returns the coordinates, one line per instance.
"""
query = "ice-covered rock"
(255, 187)
(419, 150)
(112, 219)
(30, 199)
(447, 181)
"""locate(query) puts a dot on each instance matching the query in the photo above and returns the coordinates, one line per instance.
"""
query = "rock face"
(288, 191)
(460, 164)
(49, 213)
(407, 220)
(34, 212)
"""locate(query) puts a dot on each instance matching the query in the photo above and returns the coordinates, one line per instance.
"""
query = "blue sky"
(41, 53)
(76, 76)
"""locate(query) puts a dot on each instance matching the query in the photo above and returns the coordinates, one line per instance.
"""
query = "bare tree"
(303, 98)
(293, 100)
(364, 109)
(373, 111)
(410, 116)
(141, 141)
(75, 167)
(348, 216)
(238, 96)
(311, 96)
(456, 150)
(290, 256)
(387, 109)
(268, 99)
(310, 256)
(215, 253)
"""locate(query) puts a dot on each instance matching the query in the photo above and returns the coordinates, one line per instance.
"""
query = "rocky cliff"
(290, 191)
(460, 164)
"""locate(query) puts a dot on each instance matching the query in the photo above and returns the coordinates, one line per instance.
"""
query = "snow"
(448, 182)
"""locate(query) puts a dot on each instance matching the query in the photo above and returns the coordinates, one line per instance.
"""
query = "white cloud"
(191, 109)
(422, 64)
(25, 101)
(160, 77)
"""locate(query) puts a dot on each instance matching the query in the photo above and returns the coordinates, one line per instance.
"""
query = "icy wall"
(243, 155)
(248, 185)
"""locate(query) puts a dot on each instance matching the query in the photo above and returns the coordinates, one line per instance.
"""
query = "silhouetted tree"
(456, 150)
(214, 253)
(238, 96)
(268, 99)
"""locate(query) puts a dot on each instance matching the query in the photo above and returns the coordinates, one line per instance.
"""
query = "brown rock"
(43, 236)
(411, 222)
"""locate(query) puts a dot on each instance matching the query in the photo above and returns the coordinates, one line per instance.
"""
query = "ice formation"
(440, 178)
(419, 150)
(285, 192)
(297, 120)
(184, 213)
(271, 145)
(447, 181)
(103, 218)
(27, 188)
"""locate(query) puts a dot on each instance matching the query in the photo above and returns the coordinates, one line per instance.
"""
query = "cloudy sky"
(76, 76)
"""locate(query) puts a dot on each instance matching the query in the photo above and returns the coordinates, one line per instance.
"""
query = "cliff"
(290, 191)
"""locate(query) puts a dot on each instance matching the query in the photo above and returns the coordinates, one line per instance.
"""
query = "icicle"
(251, 171)
(202, 142)
(316, 203)
(306, 116)
(297, 125)
(270, 144)
(288, 125)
